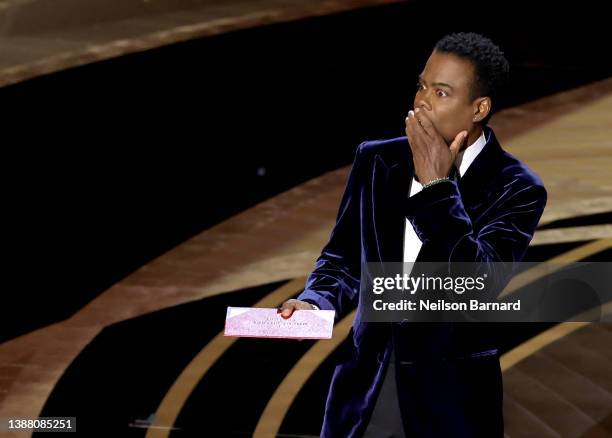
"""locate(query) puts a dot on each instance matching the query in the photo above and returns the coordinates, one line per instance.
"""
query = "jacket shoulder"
(390, 149)
(514, 170)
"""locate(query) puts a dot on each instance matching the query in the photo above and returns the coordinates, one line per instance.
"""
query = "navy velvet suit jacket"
(490, 214)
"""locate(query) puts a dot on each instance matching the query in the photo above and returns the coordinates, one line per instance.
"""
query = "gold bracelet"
(433, 182)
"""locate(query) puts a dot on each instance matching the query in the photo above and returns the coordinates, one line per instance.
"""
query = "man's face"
(444, 92)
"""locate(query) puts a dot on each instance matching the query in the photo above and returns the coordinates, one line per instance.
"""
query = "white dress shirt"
(412, 243)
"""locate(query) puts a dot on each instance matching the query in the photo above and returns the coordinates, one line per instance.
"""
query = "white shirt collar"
(469, 154)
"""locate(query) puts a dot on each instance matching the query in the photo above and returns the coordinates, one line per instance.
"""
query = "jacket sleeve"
(334, 283)
(497, 244)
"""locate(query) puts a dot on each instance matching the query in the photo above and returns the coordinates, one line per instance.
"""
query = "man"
(445, 192)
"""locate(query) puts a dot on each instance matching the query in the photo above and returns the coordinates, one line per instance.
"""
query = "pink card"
(268, 323)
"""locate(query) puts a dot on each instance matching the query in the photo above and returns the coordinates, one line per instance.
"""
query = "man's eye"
(419, 86)
(441, 93)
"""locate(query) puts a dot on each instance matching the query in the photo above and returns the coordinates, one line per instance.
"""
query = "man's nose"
(423, 104)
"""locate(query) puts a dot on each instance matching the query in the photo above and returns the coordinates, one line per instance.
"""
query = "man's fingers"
(408, 123)
(287, 312)
(424, 123)
(455, 146)
(409, 133)
(414, 126)
(411, 126)
(286, 309)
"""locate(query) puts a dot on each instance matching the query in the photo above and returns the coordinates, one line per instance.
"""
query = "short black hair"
(491, 68)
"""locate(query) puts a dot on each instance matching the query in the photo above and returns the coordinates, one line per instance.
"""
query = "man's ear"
(482, 107)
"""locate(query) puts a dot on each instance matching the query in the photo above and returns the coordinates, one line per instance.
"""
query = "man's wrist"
(435, 181)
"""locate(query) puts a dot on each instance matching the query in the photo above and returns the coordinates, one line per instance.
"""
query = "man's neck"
(473, 136)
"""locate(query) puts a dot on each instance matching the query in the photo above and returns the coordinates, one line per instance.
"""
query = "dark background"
(109, 165)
